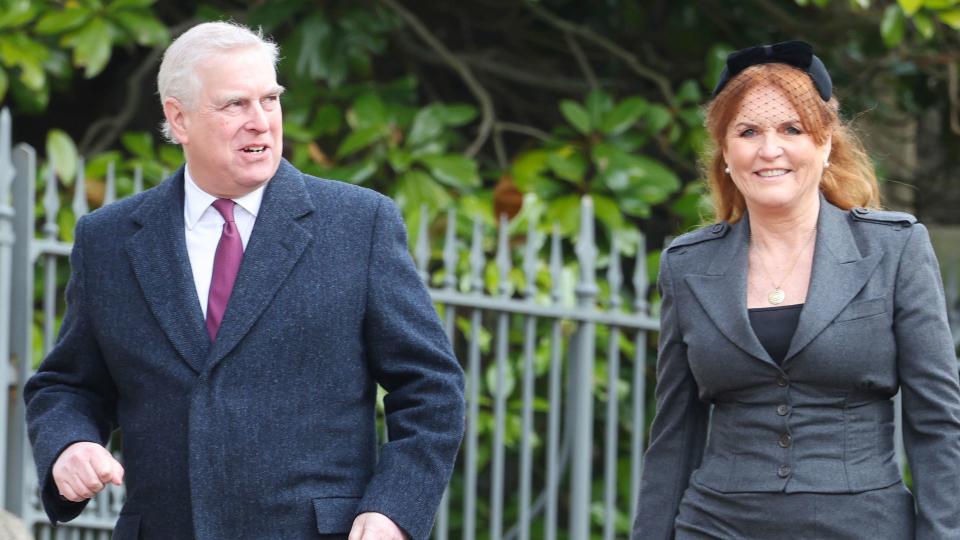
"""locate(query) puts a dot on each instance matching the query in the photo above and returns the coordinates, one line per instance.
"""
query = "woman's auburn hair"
(849, 181)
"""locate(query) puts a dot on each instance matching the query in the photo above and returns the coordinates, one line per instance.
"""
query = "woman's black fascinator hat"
(798, 54)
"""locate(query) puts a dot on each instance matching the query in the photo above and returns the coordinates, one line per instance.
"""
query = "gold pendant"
(776, 296)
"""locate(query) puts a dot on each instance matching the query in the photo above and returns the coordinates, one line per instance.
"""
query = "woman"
(798, 318)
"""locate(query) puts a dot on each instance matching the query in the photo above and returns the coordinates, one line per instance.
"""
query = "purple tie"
(226, 262)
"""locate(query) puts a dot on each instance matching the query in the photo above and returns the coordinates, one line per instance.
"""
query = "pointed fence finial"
(110, 187)
(504, 260)
(556, 264)
(477, 259)
(450, 251)
(530, 261)
(51, 203)
(137, 179)
(80, 207)
(641, 282)
(586, 251)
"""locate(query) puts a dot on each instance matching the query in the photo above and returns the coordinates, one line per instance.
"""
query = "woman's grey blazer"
(874, 322)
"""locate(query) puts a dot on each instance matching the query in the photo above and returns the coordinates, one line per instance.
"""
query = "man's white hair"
(178, 77)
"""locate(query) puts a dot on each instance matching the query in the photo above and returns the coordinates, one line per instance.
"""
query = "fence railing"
(542, 373)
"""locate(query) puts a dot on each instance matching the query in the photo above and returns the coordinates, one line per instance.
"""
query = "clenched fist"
(83, 469)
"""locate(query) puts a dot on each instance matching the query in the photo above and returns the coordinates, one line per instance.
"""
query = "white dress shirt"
(203, 225)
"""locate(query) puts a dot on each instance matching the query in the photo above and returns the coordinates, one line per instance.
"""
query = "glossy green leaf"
(939, 4)
(327, 120)
(356, 173)
(716, 60)
(607, 211)
(578, 117)
(453, 170)
(359, 139)
(910, 7)
(400, 159)
(568, 163)
(139, 143)
(15, 13)
(416, 188)
(171, 155)
(62, 151)
(61, 20)
(623, 116)
(527, 167)
(951, 18)
(97, 167)
(689, 92)
(565, 212)
(91, 46)
(924, 25)
(368, 110)
(427, 125)
(657, 118)
(117, 5)
(892, 26)
(143, 26)
(456, 115)
(598, 103)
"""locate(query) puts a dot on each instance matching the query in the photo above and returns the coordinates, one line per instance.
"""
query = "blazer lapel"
(839, 273)
(276, 244)
(723, 292)
(158, 254)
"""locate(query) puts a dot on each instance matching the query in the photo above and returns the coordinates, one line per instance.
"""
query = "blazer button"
(785, 440)
(782, 381)
(784, 471)
(782, 410)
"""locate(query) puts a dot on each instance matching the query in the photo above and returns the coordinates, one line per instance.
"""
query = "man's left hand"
(375, 526)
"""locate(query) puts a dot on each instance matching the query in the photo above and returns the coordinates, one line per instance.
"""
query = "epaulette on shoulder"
(883, 217)
(713, 232)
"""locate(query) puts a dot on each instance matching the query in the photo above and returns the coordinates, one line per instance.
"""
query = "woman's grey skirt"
(881, 514)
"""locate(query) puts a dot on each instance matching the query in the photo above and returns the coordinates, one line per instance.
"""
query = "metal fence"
(542, 373)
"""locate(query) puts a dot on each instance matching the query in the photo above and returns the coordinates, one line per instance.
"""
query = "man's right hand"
(83, 469)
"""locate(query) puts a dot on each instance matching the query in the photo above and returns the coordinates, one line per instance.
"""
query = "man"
(234, 323)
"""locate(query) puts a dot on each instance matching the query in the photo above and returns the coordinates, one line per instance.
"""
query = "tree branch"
(582, 60)
(483, 97)
(659, 80)
(525, 130)
(104, 132)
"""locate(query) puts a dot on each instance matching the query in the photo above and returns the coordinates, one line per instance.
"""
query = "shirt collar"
(196, 201)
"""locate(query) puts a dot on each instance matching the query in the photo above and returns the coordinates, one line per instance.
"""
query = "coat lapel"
(723, 291)
(276, 244)
(158, 254)
(839, 273)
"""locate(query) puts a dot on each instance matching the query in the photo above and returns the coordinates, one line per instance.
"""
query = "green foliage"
(37, 38)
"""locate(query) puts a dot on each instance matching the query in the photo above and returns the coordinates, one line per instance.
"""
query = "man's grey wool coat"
(268, 432)
(874, 322)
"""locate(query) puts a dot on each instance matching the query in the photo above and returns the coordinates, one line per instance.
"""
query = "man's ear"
(175, 113)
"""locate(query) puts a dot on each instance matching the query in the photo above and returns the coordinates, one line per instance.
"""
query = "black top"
(775, 327)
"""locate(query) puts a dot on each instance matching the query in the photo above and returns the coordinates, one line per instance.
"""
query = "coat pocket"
(335, 514)
(861, 309)
(127, 528)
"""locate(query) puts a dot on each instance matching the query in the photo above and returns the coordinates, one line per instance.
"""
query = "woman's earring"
(727, 170)
(826, 163)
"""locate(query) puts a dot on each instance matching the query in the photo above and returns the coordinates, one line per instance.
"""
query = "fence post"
(6, 248)
(21, 310)
(582, 391)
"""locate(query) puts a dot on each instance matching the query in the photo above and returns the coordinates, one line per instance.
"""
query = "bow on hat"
(798, 54)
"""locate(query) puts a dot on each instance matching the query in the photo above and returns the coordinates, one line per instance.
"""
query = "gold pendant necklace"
(777, 295)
